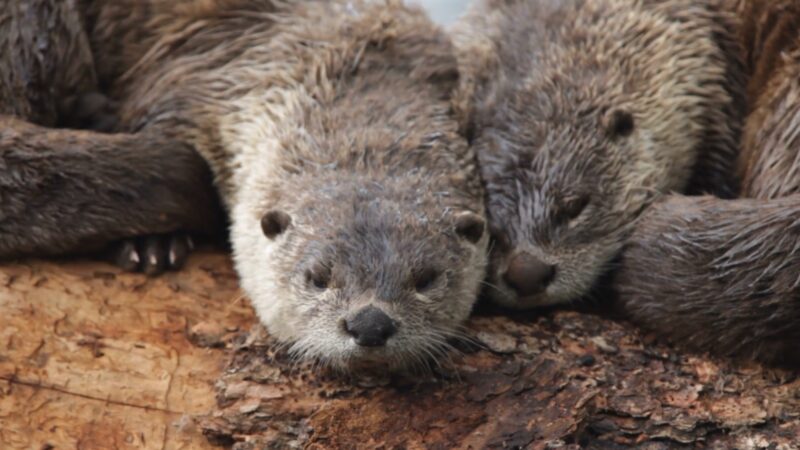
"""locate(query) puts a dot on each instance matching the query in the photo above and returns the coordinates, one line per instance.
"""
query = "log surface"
(91, 358)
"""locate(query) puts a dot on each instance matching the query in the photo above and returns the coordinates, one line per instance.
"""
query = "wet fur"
(542, 82)
(720, 275)
(65, 190)
(46, 58)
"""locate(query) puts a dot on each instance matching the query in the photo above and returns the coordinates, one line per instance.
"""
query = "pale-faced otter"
(581, 114)
(356, 209)
(724, 275)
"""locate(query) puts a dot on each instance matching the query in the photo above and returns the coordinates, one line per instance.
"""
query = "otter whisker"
(492, 285)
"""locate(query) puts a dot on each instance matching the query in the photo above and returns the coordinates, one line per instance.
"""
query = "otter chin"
(581, 115)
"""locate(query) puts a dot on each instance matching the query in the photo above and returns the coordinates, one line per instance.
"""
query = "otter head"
(581, 113)
(355, 273)
(569, 165)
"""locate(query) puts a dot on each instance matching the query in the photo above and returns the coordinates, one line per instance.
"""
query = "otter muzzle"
(370, 327)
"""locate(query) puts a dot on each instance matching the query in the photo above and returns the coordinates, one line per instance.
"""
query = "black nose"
(370, 327)
(528, 275)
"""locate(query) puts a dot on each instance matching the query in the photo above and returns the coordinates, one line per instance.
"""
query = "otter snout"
(370, 327)
(528, 275)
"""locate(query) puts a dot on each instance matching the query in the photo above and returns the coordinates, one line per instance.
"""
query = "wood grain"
(93, 358)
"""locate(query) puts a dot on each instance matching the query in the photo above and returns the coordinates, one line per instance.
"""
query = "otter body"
(356, 210)
(46, 59)
(64, 190)
(724, 275)
(582, 113)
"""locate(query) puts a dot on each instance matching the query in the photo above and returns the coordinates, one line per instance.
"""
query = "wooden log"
(92, 358)
(563, 380)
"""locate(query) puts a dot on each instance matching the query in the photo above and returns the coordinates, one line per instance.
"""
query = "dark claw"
(103, 123)
(179, 247)
(154, 254)
(125, 255)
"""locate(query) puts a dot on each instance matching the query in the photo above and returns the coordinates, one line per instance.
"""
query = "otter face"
(354, 279)
(562, 197)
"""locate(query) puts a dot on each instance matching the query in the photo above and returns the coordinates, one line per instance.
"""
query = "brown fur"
(717, 275)
(582, 114)
(76, 191)
(46, 58)
(771, 142)
(722, 275)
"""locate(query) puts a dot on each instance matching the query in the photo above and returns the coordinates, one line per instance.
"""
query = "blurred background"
(443, 11)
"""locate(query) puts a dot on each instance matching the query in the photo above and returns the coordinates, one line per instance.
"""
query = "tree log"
(92, 358)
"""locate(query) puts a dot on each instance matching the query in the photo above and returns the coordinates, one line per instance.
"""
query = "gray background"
(443, 11)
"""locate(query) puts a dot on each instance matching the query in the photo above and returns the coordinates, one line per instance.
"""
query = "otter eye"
(619, 123)
(470, 226)
(274, 223)
(424, 279)
(319, 276)
(574, 207)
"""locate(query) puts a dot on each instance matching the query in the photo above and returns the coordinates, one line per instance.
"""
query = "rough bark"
(95, 359)
(562, 380)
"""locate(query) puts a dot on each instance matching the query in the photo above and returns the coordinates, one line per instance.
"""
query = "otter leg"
(47, 77)
(724, 275)
(68, 191)
(150, 254)
(720, 275)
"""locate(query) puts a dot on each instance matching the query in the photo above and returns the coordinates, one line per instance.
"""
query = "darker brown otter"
(724, 275)
(582, 114)
(572, 158)
(64, 190)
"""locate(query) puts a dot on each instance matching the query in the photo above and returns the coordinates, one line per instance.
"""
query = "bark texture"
(563, 380)
(92, 358)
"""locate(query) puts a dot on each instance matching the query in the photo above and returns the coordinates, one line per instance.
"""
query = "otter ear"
(619, 123)
(470, 226)
(274, 223)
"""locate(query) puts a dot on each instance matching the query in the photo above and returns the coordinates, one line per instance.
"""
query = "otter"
(356, 210)
(64, 190)
(709, 272)
(722, 275)
(582, 114)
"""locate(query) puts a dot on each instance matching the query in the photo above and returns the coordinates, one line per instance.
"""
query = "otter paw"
(93, 111)
(152, 255)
